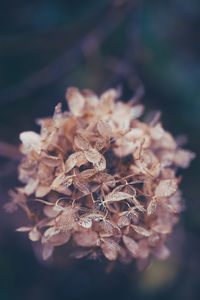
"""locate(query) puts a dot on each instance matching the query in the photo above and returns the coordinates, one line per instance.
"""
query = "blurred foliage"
(154, 44)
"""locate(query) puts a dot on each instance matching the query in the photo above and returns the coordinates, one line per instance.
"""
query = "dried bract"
(100, 179)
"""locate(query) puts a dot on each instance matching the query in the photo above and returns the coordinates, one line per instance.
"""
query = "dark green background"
(152, 43)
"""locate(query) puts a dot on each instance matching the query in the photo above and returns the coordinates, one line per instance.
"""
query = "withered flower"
(101, 178)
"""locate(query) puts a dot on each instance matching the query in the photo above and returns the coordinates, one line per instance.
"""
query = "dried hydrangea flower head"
(103, 180)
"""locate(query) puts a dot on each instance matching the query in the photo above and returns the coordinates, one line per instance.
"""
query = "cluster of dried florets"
(101, 178)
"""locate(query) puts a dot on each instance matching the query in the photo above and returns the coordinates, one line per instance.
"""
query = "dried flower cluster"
(100, 178)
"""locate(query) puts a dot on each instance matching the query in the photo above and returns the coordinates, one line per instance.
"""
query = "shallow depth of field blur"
(46, 46)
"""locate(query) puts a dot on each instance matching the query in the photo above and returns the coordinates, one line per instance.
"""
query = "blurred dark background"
(46, 46)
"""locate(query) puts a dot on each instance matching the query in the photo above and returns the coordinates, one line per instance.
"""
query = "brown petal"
(137, 111)
(85, 223)
(34, 235)
(151, 208)
(118, 196)
(101, 164)
(50, 212)
(110, 249)
(51, 161)
(42, 190)
(123, 221)
(75, 159)
(81, 253)
(162, 228)
(182, 158)
(96, 159)
(87, 173)
(161, 252)
(59, 239)
(85, 239)
(60, 179)
(75, 101)
(157, 131)
(82, 186)
(92, 156)
(31, 186)
(81, 142)
(31, 140)
(47, 251)
(24, 229)
(131, 245)
(55, 237)
(166, 188)
(141, 230)
(104, 129)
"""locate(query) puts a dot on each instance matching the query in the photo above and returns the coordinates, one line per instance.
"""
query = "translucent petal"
(75, 101)
(166, 188)
(141, 230)
(131, 245)
(34, 235)
(104, 129)
(81, 142)
(117, 196)
(47, 251)
(86, 239)
(110, 249)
